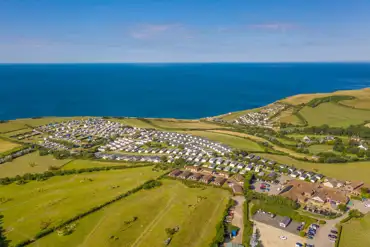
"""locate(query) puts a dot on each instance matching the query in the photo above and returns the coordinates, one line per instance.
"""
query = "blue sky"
(43, 31)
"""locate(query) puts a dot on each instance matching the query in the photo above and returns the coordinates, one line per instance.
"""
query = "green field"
(183, 124)
(232, 141)
(356, 233)
(40, 203)
(134, 122)
(80, 164)
(7, 145)
(11, 126)
(173, 204)
(334, 115)
(29, 163)
(355, 171)
(318, 148)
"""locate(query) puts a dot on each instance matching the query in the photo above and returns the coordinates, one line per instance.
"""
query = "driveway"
(238, 219)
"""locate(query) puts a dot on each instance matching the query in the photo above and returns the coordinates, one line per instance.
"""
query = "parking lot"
(271, 188)
(270, 236)
(267, 219)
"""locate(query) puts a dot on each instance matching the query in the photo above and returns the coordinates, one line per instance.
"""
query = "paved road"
(238, 219)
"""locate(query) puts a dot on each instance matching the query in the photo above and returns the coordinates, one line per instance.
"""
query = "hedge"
(221, 226)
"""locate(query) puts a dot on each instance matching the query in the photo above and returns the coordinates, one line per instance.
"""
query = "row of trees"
(3, 241)
(221, 227)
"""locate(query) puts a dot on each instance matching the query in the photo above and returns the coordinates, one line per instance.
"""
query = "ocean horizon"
(165, 90)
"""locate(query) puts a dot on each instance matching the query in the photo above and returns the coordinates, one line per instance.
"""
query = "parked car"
(334, 231)
(283, 237)
(332, 236)
(298, 245)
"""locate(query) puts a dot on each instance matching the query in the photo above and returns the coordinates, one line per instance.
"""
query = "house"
(219, 181)
(227, 169)
(196, 176)
(294, 174)
(239, 178)
(237, 189)
(363, 146)
(313, 179)
(223, 174)
(185, 175)
(354, 188)
(192, 168)
(285, 222)
(306, 139)
(175, 173)
(333, 183)
(206, 179)
(240, 166)
(303, 176)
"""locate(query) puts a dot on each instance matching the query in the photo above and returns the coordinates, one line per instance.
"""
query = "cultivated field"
(334, 115)
(7, 145)
(29, 163)
(39, 204)
(356, 233)
(80, 164)
(233, 141)
(355, 171)
(195, 211)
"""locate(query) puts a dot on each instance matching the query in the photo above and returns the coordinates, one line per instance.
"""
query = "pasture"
(29, 208)
(29, 163)
(334, 115)
(7, 145)
(134, 122)
(11, 126)
(355, 171)
(356, 233)
(80, 164)
(231, 140)
(195, 211)
(318, 148)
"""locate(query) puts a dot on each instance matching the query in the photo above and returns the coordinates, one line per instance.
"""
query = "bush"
(322, 222)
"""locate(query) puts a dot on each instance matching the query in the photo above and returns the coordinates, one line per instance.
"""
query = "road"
(238, 219)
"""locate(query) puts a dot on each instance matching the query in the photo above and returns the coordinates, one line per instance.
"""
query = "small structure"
(207, 179)
(175, 173)
(219, 181)
(285, 222)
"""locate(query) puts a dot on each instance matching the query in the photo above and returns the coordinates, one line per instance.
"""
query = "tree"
(3, 241)
(164, 159)
(342, 207)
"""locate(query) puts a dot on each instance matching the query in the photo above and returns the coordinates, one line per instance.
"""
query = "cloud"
(274, 26)
(149, 31)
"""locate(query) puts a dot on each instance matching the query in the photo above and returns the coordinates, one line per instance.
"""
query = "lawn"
(79, 164)
(318, 148)
(29, 163)
(195, 211)
(356, 233)
(47, 203)
(334, 115)
(232, 141)
(355, 171)
(7, 145)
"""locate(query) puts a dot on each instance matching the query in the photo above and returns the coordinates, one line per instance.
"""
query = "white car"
(283, 237)
(367, 205)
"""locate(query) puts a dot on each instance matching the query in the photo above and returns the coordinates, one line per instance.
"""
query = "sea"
(186, 91)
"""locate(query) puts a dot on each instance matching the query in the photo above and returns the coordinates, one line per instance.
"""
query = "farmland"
(30, 163)
(320, 148)
(356, 171)
(6, 145)
(233, 141)
(135, 122)
(334, 115)
(62, 197)
(182, 124)
(195, 211)
(356, 233)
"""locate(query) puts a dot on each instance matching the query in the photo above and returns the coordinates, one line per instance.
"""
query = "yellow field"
(6, 145)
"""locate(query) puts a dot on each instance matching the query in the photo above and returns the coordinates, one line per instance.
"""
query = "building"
(333, 183)
(219, 181)
(285, 222)
(196, 176)
(206, 179)
(175, 173)
(185, 175)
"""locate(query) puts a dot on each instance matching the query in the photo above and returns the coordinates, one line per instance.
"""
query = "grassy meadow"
(354, 171)
(334, 115)
(7, 145)
(356, 233)
(134, 122)
(232, 141)
(30, 207)
(195, 211)
(80, 164)
(318, 148)
(29, 163)
(183, 124)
